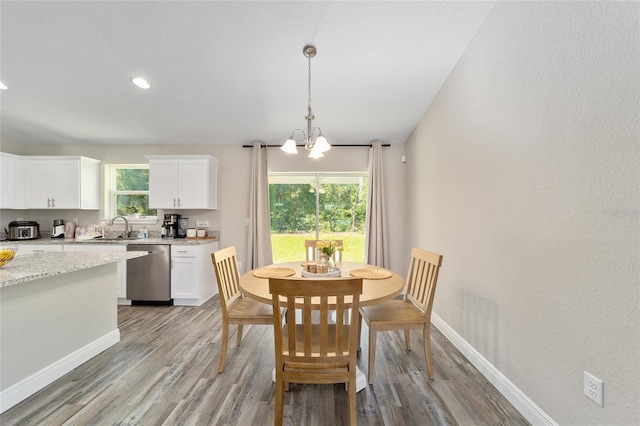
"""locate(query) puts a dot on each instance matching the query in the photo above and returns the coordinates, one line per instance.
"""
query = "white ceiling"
(225, 72)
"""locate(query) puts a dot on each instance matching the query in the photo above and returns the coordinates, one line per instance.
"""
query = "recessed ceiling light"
(141, 83)
(2, 86)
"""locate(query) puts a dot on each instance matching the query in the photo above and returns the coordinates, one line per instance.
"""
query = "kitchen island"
(193, 279)
(57, 310)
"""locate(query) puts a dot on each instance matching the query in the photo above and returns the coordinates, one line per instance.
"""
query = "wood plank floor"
(164, 372)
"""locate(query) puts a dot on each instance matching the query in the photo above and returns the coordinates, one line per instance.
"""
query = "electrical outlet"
(240, 265)
(202, 223)
(594, 388)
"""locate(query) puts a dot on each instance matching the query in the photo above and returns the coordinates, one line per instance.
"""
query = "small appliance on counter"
(69, 230)
(58, 229)
(171, 223)
(183, 226)
(23, 230)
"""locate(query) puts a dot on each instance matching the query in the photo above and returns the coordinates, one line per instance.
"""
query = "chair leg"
(353, 411)
(407, 339)
(223, 350)
(359, 331)
(427, 349)
(279, 410)
(373, 334)
(239, 338)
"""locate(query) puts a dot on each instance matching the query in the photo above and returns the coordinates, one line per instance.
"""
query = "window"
(127, 187)
(317, 206)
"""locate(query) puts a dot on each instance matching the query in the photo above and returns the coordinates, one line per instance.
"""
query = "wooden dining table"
(374, 291)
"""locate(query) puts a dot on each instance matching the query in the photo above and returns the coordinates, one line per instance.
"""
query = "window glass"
(317, 206)
(128, 192)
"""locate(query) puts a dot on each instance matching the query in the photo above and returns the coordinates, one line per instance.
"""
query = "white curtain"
(376, 252)
(259, 233)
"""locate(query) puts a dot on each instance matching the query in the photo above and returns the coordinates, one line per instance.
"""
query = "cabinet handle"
(178, 201)
(182, 251)
(48, 202)
(174, 202)
(53, 202)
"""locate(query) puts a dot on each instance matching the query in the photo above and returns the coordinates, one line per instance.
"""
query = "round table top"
(373, 290)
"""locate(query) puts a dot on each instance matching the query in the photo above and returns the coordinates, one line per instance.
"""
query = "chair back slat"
(422, 278)
(225, 263)
(324, 325)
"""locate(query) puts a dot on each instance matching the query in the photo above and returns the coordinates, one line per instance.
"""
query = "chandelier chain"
(309, 87)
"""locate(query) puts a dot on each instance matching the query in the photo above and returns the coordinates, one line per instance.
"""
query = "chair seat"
(249, 311)
(393, 312)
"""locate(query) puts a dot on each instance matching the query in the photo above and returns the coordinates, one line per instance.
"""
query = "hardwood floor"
(164, 372)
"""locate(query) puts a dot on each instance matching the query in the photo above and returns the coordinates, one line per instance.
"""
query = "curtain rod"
(302, 145)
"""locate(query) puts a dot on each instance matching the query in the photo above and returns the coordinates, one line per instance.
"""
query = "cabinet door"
(65, 184)
(163, 184)
(193, 183)
(52, 184)
(6, 182)
(184, 277)
(37, 191)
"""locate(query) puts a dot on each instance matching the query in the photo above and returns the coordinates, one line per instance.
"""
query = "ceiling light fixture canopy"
(314, 140)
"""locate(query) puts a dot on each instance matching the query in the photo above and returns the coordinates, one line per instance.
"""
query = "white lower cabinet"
(121, 289)
(193, 279)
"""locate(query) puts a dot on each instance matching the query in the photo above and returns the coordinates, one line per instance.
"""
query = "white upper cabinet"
(7, 180)
(183, 182)
(61, 183)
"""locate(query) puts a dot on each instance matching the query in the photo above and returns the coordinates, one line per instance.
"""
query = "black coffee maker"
(171, 224)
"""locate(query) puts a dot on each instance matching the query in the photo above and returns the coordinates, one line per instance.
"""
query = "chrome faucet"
(126, 225)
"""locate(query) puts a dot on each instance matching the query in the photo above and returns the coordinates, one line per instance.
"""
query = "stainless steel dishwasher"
(149, 277)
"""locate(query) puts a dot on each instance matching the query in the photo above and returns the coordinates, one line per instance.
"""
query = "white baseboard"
(515, 396)
(40, 379)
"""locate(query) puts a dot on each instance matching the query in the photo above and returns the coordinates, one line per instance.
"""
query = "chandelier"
(314, 141)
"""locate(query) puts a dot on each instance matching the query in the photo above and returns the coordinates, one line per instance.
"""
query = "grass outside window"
(290, 247)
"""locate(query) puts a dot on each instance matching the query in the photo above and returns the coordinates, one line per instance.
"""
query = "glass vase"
(329, 261)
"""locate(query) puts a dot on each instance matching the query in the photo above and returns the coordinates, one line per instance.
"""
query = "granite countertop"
(56, 241)
(29, 267)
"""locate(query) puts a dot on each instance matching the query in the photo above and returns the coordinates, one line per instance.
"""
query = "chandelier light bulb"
(321, 144)
(315, 153)
(290, 146)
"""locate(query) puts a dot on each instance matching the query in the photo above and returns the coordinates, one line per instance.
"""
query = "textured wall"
(524, 174)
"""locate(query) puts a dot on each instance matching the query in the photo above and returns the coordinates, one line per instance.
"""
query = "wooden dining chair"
(236, 309)
(310, 248)
(413, 312)
(318, 351)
